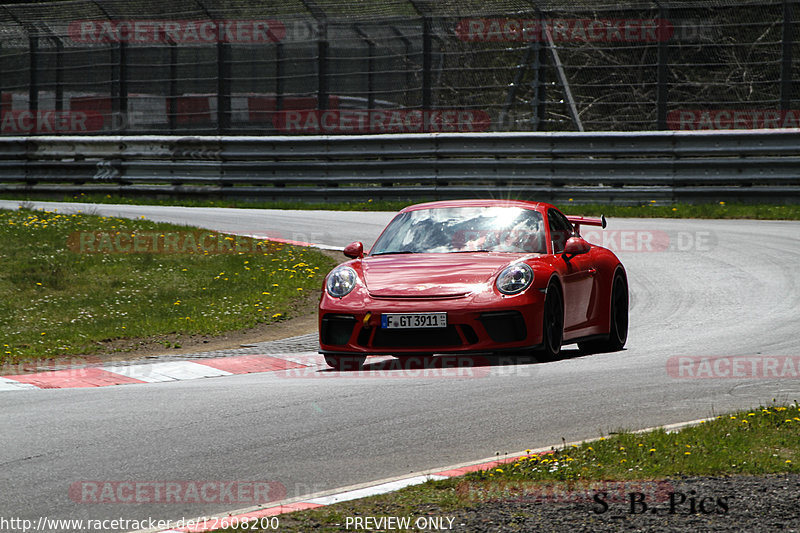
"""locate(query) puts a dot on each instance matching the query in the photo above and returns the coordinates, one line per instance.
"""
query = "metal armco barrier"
(748, 166)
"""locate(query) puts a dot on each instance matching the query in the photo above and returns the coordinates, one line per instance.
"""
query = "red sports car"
(474, 276)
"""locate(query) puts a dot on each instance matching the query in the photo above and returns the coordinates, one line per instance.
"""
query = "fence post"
(662, 90)
(223, 89)
(279, 81)
(322, 66)
(1, 80)
(120, 104)
(172, 102)
(427, 63)
(33, 70)
(786, 61)
(406, 58)
(59, 74)
(370, 66)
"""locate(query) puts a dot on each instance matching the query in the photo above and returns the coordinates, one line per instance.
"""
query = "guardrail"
(758, 165)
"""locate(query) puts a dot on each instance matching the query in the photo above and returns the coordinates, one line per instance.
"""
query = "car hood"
(433, 275)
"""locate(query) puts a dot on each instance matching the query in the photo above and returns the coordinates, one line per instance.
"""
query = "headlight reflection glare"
(515, 278)
(341, 281)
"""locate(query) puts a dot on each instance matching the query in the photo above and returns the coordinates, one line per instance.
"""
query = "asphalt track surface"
(698, 288)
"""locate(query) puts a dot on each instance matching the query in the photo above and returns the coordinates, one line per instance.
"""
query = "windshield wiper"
(395, 252)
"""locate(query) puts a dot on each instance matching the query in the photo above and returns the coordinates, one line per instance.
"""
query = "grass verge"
(716, 210)
(72, 283)
(757, 442)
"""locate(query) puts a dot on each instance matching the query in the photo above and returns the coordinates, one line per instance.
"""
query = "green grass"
(720, 210)
(761, 441)
(56, 300)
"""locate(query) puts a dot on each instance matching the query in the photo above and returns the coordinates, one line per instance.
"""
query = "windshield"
(463, 229)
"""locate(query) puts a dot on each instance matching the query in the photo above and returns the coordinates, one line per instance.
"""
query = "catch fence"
(300, 67)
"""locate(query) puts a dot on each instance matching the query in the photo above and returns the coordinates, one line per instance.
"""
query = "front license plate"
(413, 320)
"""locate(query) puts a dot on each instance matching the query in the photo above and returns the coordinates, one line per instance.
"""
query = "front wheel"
(552, 324)
(618, 332)
(345, 362)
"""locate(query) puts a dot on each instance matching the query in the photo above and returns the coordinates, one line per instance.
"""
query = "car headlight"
(341, 281)
(515, 278)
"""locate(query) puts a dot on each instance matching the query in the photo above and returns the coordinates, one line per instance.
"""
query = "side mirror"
(354, 250)
(575, 246)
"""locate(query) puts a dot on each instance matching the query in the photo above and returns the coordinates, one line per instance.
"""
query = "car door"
(579, 276)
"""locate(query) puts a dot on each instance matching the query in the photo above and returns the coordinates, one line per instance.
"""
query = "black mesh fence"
(396, 66)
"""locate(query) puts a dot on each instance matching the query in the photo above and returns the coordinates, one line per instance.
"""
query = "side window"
(560, 230)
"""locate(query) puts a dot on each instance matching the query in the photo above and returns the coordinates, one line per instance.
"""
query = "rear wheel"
(345, 362)
(552, 324)
(618, 333)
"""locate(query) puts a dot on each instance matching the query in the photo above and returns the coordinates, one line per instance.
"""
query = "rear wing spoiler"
(578, 221)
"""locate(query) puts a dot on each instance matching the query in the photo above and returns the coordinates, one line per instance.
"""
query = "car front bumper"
(489, 325)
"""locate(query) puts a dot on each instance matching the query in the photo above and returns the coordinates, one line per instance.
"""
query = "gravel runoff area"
(754, 503)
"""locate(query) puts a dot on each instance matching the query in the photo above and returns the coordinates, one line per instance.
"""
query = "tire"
(618, 331)
(345, 362)
(552, 324)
